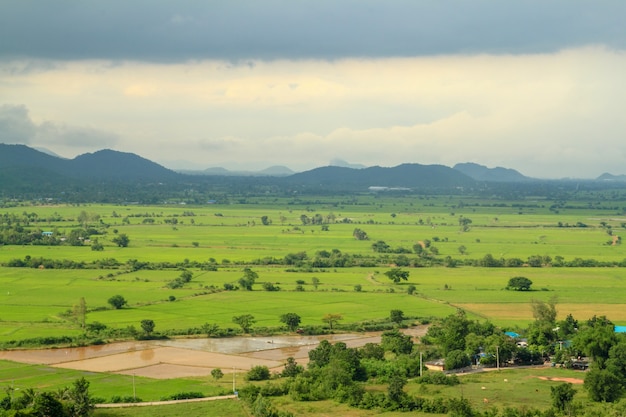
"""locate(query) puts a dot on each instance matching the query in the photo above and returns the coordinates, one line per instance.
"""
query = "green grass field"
(35, 302)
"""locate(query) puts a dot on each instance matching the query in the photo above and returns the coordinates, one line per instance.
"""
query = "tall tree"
(292, 320)
(80, 312)
(147, 326)
(397, 275)
(245, 321)
(82, 405)
(331, 319)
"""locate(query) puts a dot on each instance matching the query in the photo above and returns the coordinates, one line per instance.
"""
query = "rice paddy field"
(37, 302)
(232, 236)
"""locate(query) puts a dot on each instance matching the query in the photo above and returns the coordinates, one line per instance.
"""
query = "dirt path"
(570, 380)
(150, 403)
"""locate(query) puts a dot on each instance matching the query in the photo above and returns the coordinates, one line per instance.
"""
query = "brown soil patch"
(570, 380)
(188, 357)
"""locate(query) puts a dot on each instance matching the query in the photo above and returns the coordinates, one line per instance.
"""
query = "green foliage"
(331, 319)
(372, 351)
(519, 284)
(562, 396)
(291, 368)
(292, 320)
(596, 339)
(457, 359)
(438, 378)
(122, 240)
(396, 342)
(147, 325)
(183, 396)
(249, 277)
(396, 316)
(117, 301)
(245, 321)
(217, 374)
(258, 373)
(603, 385)
(397, 275)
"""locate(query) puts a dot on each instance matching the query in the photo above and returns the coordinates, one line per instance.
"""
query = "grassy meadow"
(232, 235)
(36, 302)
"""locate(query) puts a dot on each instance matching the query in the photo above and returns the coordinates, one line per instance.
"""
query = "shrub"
(258, 373)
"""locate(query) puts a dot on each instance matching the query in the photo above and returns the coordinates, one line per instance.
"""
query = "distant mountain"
(109, 164)
(273, 171)
(401, 176)
(482, 173)
(341, 163)
(105, 165)
(610, 177)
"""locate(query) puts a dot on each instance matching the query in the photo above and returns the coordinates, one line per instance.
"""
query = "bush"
(258, 373)
(438, 378)
(183, 396)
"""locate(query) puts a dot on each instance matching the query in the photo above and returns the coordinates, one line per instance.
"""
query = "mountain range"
(24, 168)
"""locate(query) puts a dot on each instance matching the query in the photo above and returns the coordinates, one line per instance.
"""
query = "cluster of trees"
(184, 278)
(73, 401)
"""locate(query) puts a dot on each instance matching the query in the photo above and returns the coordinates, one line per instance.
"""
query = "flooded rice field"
(178, 358)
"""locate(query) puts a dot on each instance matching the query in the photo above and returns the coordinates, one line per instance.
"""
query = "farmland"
(571, 252)
(231, 237)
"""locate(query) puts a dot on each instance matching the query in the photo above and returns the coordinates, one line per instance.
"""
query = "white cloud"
(548, 115)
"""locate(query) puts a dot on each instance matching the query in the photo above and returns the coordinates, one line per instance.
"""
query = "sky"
(533, 85)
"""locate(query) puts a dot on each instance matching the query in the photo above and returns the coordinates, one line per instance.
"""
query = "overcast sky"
(538, 86)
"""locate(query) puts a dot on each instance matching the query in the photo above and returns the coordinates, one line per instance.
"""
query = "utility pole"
(134, 392)
(498, 357)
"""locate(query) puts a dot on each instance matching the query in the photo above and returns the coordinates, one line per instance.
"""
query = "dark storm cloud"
(158, 30)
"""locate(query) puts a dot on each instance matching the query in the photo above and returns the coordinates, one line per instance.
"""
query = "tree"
(210, 329)
(360, 234)
(315, 281)
(395, 390)
(292, 320)
(265, 220)
(81, 406)
(603, 385)
(245, 321)
(397, 274)
(456, 359)
(596, 340)
(148, 326)
(121, 240)
(464, 222)
(248, 279)
(117, 301)
(396, 316)
(258, 373)
(45, 404)
(381, 247)
(562, 396)
(291, 368)
(396, 342)
(332, 319)
(97, 246)
(80, 312)
(519, 284)
(217, 373)
(186, 276)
